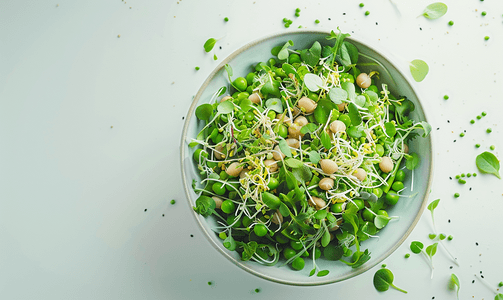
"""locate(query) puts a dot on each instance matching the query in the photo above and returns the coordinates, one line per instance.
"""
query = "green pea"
(271, 61)
(358, 203)
(347, 77)
(397, 186)
(368, 215)
(218, 188)
(382, 212)
(289, 253)
(400, 175)
(456, 195)
(335, 115)
(378, 192)
(249, 89)
(240, 84)
(294, 58)
(391, 198)
(243, 95)
(271, 114)
(283, 131)
(313, 96)
(273, 183)
(345, 119)
(298, 263)
(336, 208)
(228, 206)
(249, 116)
(260, 229)
(224, 175)
(231, 219)
(296, 245)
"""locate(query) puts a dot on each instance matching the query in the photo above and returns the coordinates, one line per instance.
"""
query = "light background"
(90, 126)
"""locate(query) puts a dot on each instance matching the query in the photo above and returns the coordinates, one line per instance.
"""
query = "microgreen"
(383, 280)
(488, 163)
(435, 10)
(283, 53)
(417, 247)
(205, 206)
(441, 237)
(313, 82)
(498, 296)
(454, 284)
(204, 111)
(418, 69)
(209, 44)
(312, 55)
(412, 161)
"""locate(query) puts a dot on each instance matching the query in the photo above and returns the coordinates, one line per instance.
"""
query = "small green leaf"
(350, 89)
(454, 283)
(320, 215)
(433, 205)
(205, 206)
(302, 174)
(337, 95)
(225, 107)
(289, 69)
(426, 127)
(293, 163)
(381, 221)
(283, 209)
(204, 111)
(230, 243)
(383, 280)
(245, 104)
(416, 247)
(209, 44)
(308, 128)
(325, 240)
(354, 114)
(488, 163)
(228, 69)
(352, 51)
(498, 297)
(274, 104)
(432, 236)
(390, 129)
(412, 161)
(313, 271)
(323, 273)
(314, 157)
(325, 140)
(283, 53)
(283, 146)
(419, 69)
(435, 10)
(431, 249)
(313, 82)
(323, 110)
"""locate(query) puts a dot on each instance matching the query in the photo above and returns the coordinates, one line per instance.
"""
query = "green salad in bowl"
(306, 157)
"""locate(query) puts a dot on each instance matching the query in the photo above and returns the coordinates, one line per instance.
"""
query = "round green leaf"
(313, 82)
(204, 111)
(419, 69)
(488, 163)
(209, 44)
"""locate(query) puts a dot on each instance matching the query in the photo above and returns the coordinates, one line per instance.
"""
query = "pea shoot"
(283, 166)
(383, 280)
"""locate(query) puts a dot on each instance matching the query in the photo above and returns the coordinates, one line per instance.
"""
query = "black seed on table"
(377, 23)
(329, 19)
(420, 28)
(482, 276)
(191, 235)
(449, 221)
(480, 272)
(438, 128)
(476, 244)
(163, 215)
(145, 209)
(470, 189)
(450, 177)
(454, 141)
(343, 14)
(183, 118)
(450, 267)
(448, 121)
(220, 47)
(473, 281)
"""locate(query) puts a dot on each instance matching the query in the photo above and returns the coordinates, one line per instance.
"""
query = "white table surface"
(90, 126)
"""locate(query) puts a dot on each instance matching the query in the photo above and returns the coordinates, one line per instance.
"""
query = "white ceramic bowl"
(408, 209)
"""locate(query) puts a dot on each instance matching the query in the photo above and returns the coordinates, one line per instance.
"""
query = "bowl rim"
(187, 186)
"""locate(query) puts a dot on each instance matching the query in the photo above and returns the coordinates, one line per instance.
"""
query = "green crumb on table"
(461, 134)
(469, 175)
(215, 57)
(457, 176)
(297, 14)
(474, 174)
(383, 266)
(362, 5)
(450, 237)
(446, 97)
(222, 235)
(197, 68)
(367, 13)
(486, 37)
(492, 147)
(479, 117)
(451, 23)
(300, 26)
(477, 145)
(317, 21)
(489, 130)
(463, 174)
(472, 121)
(407, 255)
(210, 283)
(483, 13)
(173, 201)
(484, 114)
(297, 9)
(461, 181)
(456, 195)
(257, 290)
(226, 19)
(500, 284)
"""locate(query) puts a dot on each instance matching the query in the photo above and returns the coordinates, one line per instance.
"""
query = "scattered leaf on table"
(435, 10)
(209, 44)
(488, 163)
(419, 69)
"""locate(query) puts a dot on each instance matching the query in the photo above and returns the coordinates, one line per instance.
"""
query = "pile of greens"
(264, 152)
